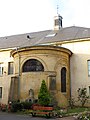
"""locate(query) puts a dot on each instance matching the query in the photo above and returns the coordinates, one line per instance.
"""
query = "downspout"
(70, 75)
(18, 73)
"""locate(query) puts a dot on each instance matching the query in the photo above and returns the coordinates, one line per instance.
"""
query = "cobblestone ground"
(8, 116)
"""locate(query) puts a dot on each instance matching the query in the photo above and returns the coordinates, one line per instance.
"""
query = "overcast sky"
(24, 16)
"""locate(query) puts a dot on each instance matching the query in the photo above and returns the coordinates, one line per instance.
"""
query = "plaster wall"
(5, 79)
(78, 66)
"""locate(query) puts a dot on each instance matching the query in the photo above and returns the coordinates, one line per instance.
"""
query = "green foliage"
(44, 95)
(19, 106)
(26, 105)
(82, 96)
(84, 116)
(71, 102)
(16, 106)
(77, 110)
(53, 100)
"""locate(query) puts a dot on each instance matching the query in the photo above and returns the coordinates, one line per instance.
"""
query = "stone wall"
(53, 59)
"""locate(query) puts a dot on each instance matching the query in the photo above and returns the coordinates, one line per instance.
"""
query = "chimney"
(57, 22)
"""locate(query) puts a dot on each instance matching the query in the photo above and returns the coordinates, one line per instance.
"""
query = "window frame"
(52, 83)
(1, 69)
(0, 92)
(32, 65)
(89, 92)
(10, 68)
(63, 80)
(88, 64)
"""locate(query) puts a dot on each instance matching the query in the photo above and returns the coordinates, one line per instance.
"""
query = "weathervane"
(57, 7)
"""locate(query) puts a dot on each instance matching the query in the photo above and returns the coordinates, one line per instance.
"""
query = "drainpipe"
(70, 78)
(18, 73)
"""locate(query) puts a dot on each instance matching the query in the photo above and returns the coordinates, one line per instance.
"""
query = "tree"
(82, 96)
(44, 95)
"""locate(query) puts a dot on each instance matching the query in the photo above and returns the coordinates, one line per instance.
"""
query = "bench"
(42, 110)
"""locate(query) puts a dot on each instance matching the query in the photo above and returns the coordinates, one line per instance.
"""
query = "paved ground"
(9, 116)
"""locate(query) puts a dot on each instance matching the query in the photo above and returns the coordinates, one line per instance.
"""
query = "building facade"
(61, 57)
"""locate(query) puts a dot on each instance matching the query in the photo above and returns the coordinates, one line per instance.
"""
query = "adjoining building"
(61, 57)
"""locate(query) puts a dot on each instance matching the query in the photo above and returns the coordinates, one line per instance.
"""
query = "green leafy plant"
(82, 96)
(71, 102)
(84, 116)
(26, 105)
(16, 106)
(44, 95)
(19, 106)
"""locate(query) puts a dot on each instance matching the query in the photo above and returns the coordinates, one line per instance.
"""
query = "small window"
(52, 83)
(88, 67)
(89, 91)
(63, 79)
(51, 35)
(1, 69)
(10, 68)
(0, 92)
(56, 22)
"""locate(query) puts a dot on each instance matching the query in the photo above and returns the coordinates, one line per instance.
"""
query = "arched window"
(63, 79)
(32, 65)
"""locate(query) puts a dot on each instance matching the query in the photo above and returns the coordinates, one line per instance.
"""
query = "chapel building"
(60, 56)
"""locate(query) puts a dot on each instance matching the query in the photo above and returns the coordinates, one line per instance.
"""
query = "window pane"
(56, 22)
(89, 67)
(63, 79)
(10, 68)
(0, 92)
(32, 65)
(89, 91)
(52, 83)
(1, 69)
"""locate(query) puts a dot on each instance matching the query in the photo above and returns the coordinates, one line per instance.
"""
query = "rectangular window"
(88, 67)
(63, 80)
(1, 69)
(10, 68)
(52, 84)
(56, 22)
(89, 91)
(0, 92)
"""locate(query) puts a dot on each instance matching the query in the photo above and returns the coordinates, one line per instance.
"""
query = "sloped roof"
(68, 34)
(42, 37)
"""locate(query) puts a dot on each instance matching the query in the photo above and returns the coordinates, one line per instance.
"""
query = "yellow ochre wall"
(53, 59)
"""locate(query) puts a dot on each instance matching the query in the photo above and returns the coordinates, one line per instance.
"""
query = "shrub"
(16, 106)
(71, 102)
(3, 107)
(19, 106)
(44, 95)
(84, 116)
(82, 96)
(26, 105)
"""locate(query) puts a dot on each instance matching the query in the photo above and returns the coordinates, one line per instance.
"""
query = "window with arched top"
(63, 79)
(32, 65)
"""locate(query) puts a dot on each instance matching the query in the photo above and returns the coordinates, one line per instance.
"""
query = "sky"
(25, 16)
